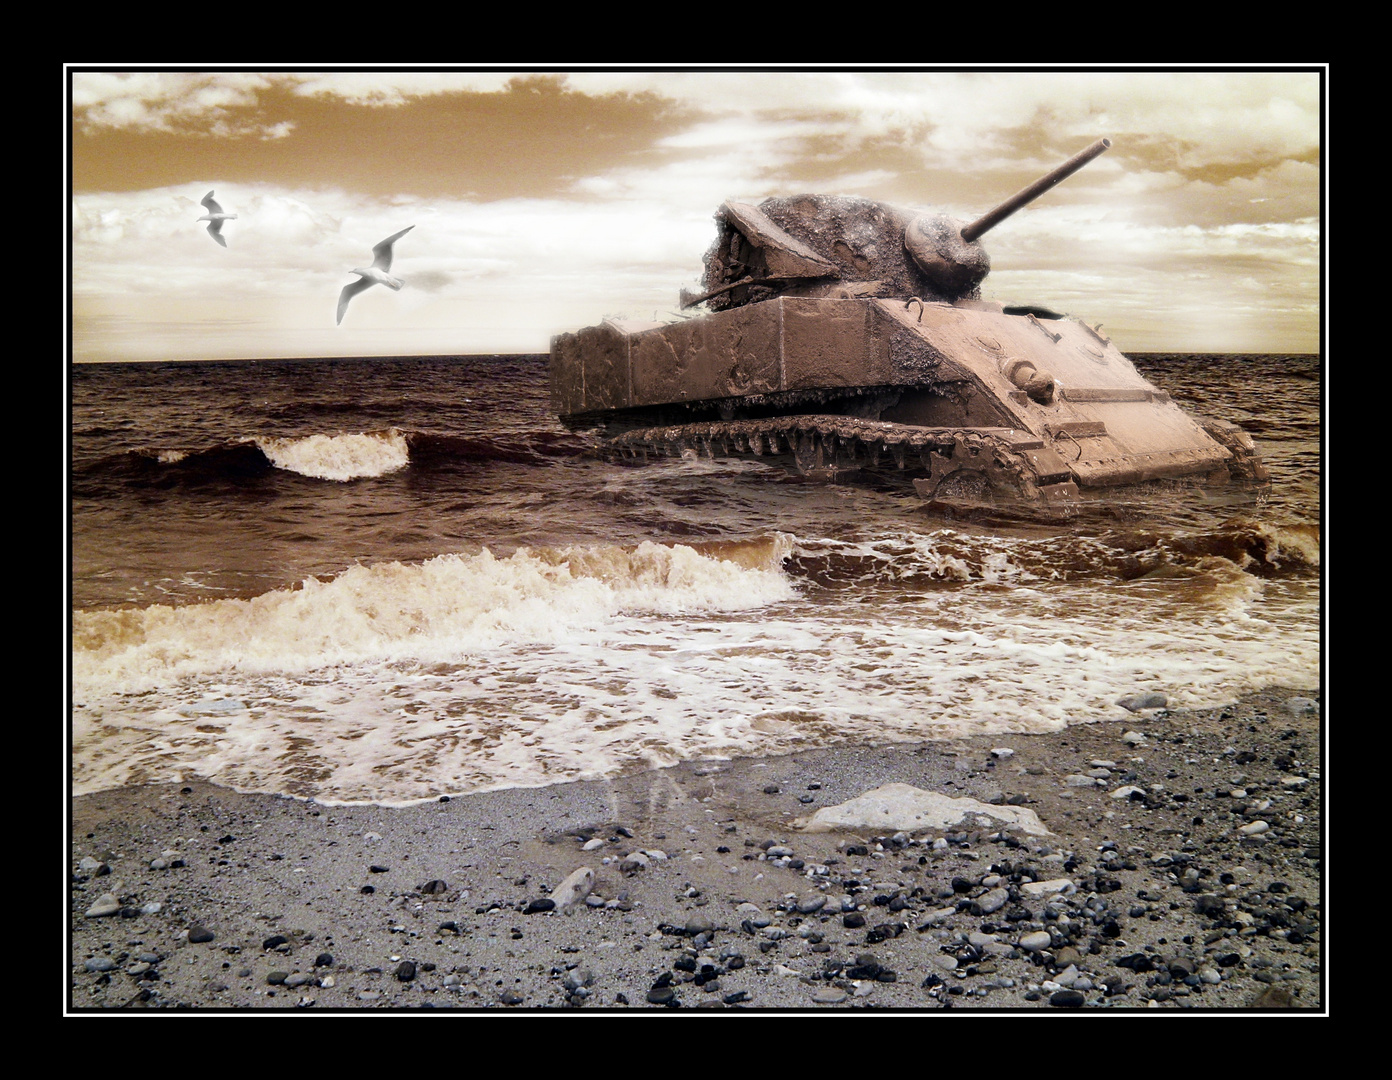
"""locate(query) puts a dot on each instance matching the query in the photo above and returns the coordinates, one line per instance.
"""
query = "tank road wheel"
(975, 471)
(968, 484)
(807, 452)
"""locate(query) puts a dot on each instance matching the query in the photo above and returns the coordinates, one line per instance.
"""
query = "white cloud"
(163, 101)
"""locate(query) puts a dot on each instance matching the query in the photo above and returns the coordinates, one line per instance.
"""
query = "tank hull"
(1050, 402)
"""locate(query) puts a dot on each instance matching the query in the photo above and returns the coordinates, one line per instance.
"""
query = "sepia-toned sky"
(546, 201)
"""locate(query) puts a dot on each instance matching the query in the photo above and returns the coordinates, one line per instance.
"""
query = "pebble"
(1137, 702)
(829, 995)
(1036, 941)
(198, 934)
(1048, 888)
(99, 963)
(106, 904)
(574, 889)
(993, 900)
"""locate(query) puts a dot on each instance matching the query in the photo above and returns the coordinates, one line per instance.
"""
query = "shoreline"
(1186, 874)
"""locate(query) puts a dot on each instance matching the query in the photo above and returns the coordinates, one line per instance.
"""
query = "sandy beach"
(1167, 859)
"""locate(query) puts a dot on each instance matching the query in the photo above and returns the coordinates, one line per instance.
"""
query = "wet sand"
(1155, 886)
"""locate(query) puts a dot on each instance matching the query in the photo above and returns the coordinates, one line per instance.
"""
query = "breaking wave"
(430, 612)
(339, 457)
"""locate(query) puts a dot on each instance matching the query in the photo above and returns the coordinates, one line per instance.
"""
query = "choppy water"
(391, 579)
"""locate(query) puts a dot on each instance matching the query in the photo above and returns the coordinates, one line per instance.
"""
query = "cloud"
(170, 101)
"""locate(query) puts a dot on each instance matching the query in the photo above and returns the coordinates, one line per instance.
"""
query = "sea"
(387, 580)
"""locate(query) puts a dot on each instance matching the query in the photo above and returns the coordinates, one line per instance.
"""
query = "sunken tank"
(848, 334)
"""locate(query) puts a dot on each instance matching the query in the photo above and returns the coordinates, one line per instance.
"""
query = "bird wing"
(215, 231)
(382, 253)
(349, 291)
(211, 204)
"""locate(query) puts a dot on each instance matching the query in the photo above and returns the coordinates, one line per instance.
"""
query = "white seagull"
(376, 274)
(215, 217)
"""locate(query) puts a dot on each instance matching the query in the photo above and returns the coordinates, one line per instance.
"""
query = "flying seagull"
(376, 274)
(215, 218)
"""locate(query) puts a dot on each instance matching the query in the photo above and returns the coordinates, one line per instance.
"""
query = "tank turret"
(847, 333)
(820, 245)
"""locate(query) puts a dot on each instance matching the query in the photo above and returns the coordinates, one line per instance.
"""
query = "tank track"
(1246, 464)
(957, 463)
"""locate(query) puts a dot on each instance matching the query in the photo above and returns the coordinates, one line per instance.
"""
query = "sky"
(544, 201)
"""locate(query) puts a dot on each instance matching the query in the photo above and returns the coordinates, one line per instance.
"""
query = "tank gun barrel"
(1027, 195)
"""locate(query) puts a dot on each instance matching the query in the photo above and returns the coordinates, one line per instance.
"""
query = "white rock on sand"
(905, 807)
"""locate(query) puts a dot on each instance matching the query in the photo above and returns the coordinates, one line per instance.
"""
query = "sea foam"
(339, 457)
(431, 611)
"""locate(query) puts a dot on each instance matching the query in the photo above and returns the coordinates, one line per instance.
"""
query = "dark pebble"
(543, 904)
(367, 890)
(274, 940)
(434, 887)
(275, 978)
(374, 868)
(772, 789)
(324, 960)
(405, 971)
(199, 934)
(507, 997)
(853, 920)
(661, 995)
(1067, 999)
